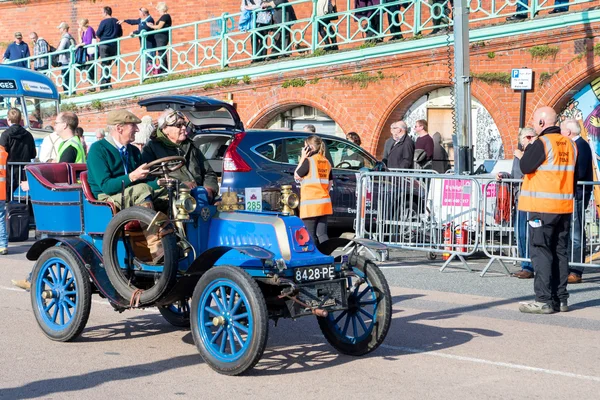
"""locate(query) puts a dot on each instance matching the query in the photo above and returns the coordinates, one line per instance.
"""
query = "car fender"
(206, 260)
(90, 257)
(328, 246)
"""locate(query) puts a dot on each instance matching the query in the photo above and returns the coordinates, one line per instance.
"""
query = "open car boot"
(158, 228)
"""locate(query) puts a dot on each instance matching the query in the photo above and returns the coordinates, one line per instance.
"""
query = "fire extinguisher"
(448, 236)
(461, 237)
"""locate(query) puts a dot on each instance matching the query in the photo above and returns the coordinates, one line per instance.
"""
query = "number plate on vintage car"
(314, 273)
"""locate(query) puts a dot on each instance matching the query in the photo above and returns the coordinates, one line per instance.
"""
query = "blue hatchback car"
(265, 158)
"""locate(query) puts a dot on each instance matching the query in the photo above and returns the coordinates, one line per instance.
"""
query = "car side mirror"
(379, 166)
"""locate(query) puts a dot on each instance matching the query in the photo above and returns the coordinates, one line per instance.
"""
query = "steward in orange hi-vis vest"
(3, 168)
(314, 191)
(551, 188)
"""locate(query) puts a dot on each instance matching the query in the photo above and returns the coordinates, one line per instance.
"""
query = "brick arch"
(278, 100)
(557, 92)
(416, 83)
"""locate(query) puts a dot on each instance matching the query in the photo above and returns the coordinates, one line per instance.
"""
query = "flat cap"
(117, 117)
(18, 35)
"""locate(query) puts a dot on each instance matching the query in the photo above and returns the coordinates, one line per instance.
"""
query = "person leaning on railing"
(64, 58)
(87, 37)
(283, 15)
(162, 38)
(142, 24)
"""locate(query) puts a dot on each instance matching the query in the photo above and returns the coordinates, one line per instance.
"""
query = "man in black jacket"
(584, 173)
(19, 145)
(142, 23)
(399, 150)
(283, 16)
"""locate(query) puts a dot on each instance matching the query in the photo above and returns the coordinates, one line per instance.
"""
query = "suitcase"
(17, 222)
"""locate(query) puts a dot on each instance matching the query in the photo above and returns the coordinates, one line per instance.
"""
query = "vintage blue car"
(225, 271)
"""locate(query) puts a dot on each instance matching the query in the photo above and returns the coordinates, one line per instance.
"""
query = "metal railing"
(215, 43)
(426, 212)
(460, 215)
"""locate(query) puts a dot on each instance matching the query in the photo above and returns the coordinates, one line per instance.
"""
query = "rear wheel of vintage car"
(124, 280)
(177, 314)
(61, 296)
(364, 325)
(229, 320)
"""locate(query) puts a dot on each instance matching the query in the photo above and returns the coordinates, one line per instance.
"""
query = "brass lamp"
(289, 199)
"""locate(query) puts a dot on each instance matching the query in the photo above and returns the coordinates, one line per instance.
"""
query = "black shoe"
(557, 11)
(516, 17)
(396, 37)
(560, 306)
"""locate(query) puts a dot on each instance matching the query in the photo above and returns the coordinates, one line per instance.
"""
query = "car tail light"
(302, 236)
(232, 161)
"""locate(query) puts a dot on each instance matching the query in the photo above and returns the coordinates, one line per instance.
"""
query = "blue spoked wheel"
(177, 314)
(229, 320)
(364, 325)
(60, 294)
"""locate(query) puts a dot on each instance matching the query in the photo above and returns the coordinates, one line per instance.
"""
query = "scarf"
(161, 137)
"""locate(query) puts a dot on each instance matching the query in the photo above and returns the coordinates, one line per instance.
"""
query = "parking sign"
(521, 79)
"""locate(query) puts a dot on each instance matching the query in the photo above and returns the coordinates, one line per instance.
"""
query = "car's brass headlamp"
(184, 204)
(289, 199)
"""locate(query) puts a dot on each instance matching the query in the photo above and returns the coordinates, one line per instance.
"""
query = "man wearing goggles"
(170, 139)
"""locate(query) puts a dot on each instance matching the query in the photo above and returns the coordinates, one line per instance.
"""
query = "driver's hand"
(190, 184)
(140, 172)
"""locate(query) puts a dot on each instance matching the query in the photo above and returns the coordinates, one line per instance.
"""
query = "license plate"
(315, 273)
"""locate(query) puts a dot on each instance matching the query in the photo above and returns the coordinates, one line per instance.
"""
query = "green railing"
(215, 43)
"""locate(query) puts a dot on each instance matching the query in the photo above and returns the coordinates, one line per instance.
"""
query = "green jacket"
(106, 171)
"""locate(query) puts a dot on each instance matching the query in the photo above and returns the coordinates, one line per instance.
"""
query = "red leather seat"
(87, 192)
(52, 176)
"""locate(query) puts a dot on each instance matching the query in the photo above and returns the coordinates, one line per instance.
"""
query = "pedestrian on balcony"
(109, 29)
(162, 39)
(368, 19)
(283, 17)
(64, 59)
(326, 28)
(583, 193)
(87, 37)
(40, 48)
(250, 21)
(440, 18)
(393, 17)
(399, 150)
(17, 51)
(314, 173)
(142, 24)
(548, 193)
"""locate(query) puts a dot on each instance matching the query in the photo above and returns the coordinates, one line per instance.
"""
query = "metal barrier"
(420, 211)
(15, 175)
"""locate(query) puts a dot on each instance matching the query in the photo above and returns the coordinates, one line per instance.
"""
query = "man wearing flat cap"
(17, 51)
(114, 162)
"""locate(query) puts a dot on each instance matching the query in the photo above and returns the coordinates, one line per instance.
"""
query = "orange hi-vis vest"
(314, 191)
(3, 169)
(551, 188)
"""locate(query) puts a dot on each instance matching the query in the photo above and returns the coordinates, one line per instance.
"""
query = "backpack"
(53, 59)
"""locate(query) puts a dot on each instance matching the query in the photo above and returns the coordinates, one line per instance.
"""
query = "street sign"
(521, 79)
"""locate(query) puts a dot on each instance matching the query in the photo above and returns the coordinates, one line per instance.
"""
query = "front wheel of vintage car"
(177, 314)
(229, 320)
(364, 325)
(61, 296)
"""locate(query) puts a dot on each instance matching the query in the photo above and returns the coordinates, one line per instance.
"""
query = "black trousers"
(106, 51)
(317, 228)
(260, 52)
(329, 41)
(548, 249)
(394, 29)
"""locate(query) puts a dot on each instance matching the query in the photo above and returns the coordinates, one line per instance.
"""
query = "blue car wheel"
(60, 294)
(177, 314)
(229, 320)
(363, 326)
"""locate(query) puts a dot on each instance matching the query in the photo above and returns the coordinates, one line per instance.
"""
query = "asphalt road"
(454, 335)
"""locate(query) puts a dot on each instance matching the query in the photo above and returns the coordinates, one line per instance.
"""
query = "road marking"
(12, 289)
(495, 363)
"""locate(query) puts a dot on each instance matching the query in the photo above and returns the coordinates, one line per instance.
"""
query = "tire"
(58, 271)
(366, 333)
(219, 345)
(177, 314)
(121, 283)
